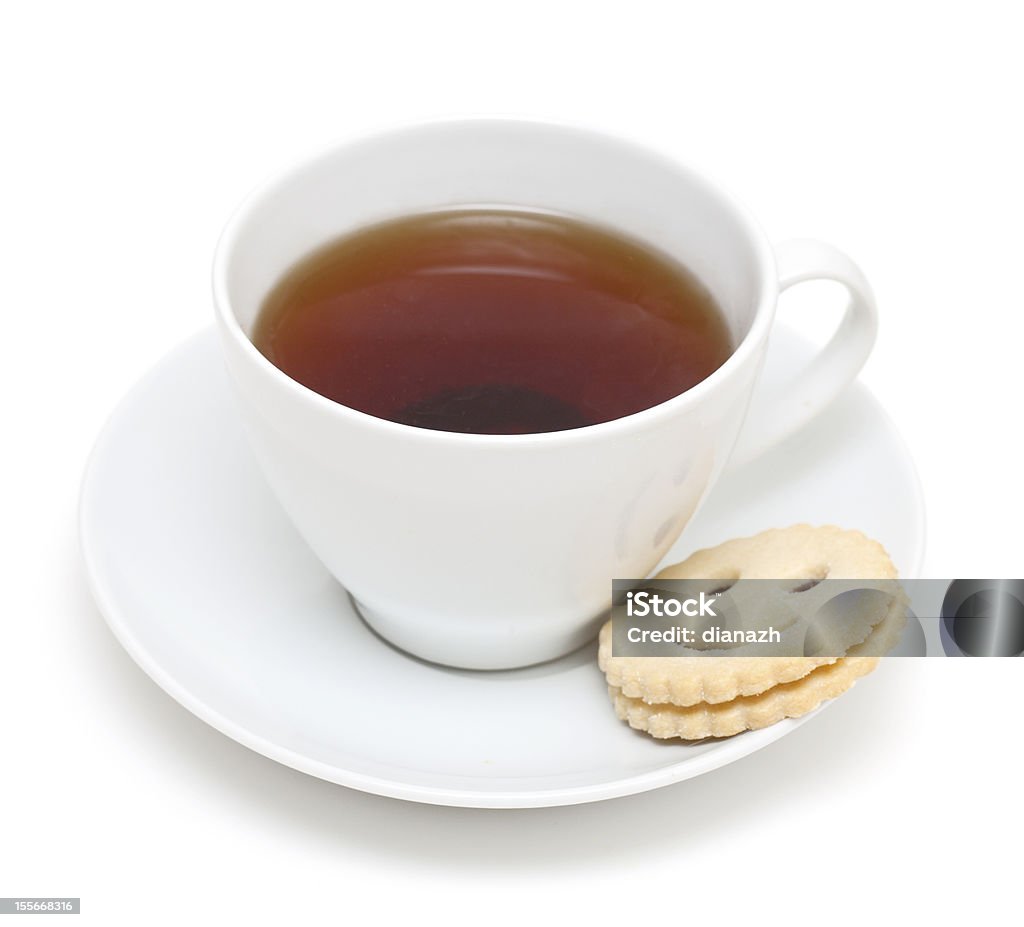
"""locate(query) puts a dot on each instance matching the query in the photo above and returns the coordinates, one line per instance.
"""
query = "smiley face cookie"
(693, 697)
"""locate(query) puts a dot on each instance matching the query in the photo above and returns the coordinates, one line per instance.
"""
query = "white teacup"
(498, 551)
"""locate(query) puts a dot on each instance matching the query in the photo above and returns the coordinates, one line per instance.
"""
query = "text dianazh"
(713, 635)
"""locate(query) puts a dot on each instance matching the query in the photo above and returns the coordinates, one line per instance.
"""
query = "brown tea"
(492, 321)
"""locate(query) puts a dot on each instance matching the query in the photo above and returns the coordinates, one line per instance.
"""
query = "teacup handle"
(797, 402)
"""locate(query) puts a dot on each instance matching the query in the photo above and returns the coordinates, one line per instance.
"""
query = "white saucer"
(208, 587)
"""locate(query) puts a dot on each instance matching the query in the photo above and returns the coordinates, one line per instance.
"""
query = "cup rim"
(645, 418)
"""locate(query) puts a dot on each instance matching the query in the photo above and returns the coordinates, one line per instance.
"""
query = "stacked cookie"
(716, 696)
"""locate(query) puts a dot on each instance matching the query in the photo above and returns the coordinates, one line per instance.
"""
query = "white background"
(129, 134)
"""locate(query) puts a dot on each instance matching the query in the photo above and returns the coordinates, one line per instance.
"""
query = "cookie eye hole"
(723, 584)
(814, 577)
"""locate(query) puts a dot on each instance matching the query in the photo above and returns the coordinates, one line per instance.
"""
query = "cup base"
(475, 654)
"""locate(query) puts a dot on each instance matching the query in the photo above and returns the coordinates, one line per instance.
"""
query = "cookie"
(800, 552)
(692, 680)
(745, 712)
